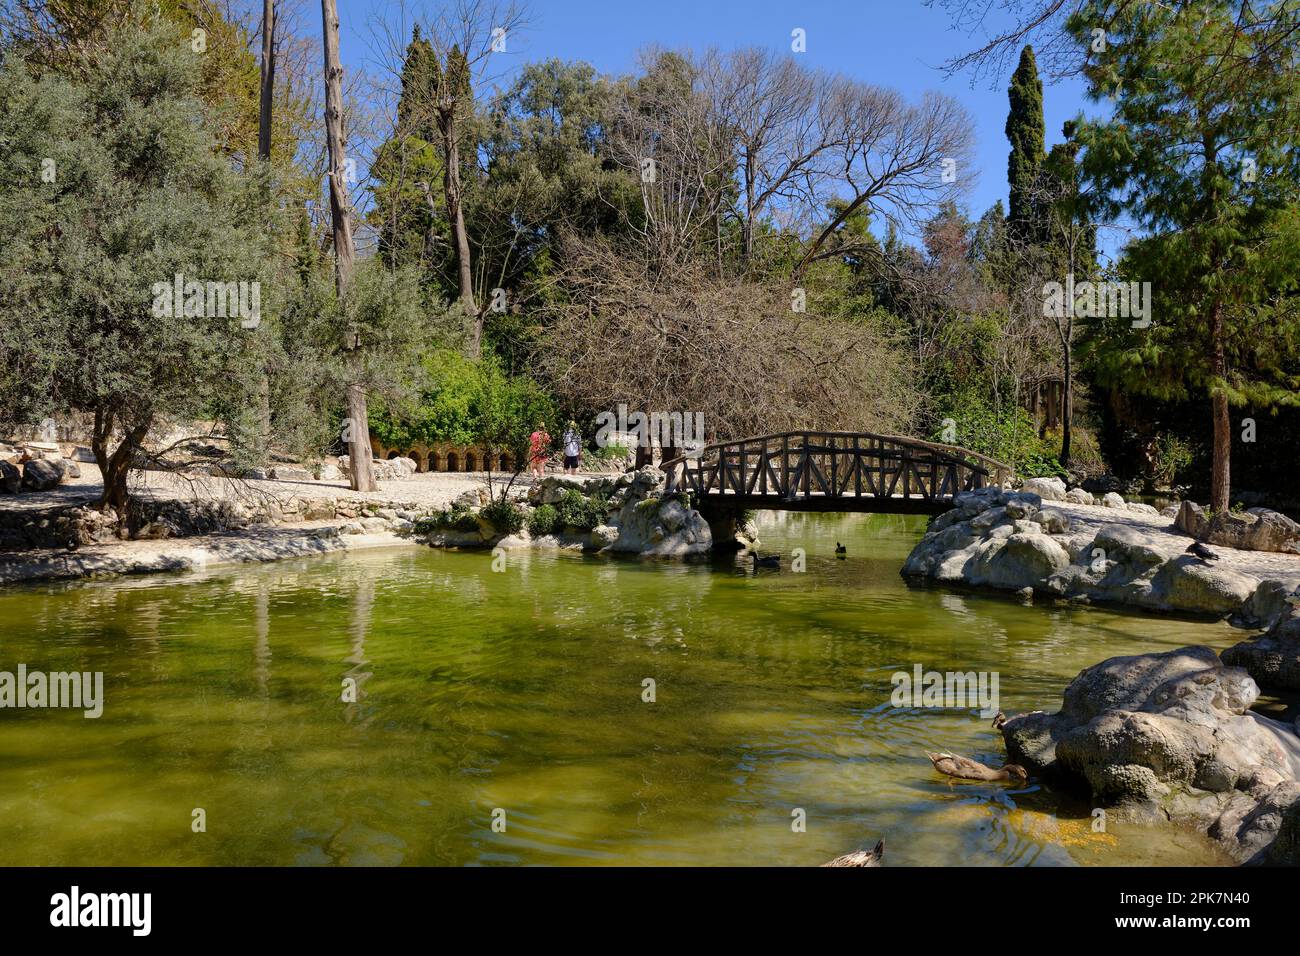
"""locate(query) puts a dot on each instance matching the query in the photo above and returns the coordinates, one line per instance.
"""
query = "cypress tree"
(1025, 132)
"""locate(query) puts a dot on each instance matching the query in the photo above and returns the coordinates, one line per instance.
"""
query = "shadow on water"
(378, 707)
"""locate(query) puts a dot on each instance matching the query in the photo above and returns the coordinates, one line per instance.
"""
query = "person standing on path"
(572, 448)
(539, 449)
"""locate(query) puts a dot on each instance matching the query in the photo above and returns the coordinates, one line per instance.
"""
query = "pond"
(520, 690)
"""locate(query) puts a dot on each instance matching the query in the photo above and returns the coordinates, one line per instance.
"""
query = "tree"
(1061, 209)
(357, 432)
(119, 194)
(463, 38)
(1200, 150)
(410, 223)
(1024, 131)
(267, 90)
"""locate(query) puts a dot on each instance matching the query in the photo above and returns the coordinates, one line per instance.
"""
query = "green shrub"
(455, 518)
(542, 521)
(576, 510)
(505, 516)
(611, 452)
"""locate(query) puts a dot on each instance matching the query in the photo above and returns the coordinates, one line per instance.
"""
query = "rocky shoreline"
(1168, 735)
(1118, 553)
(1171, 736)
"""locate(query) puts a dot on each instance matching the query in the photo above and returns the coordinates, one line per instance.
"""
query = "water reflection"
(522, 690)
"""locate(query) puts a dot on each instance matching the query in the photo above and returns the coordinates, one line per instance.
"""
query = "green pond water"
(521, 690)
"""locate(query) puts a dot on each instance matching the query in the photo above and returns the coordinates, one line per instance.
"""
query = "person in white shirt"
(572, 448)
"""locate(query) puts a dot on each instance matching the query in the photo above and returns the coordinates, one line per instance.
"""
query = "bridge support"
(729, 525)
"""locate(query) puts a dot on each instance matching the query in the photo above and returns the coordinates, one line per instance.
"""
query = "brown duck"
(955, 765)
(860, 857)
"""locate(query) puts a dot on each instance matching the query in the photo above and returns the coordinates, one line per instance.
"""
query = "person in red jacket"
(539, 449)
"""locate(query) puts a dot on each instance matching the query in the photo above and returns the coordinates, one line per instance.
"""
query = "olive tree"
(133, 262)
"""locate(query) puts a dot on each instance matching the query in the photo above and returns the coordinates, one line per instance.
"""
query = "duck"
(999, 721)
(955, 765)
(840, 551)
(766, 560)
(1196, 549)
(860, 857)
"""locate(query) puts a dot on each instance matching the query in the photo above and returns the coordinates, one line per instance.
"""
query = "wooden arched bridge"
(833, 471)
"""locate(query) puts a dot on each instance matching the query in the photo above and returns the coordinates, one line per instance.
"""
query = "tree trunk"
(268, 81)
(1220, 470)
(115, 469)
(1067, 404)
(456, 215)
(362, 476)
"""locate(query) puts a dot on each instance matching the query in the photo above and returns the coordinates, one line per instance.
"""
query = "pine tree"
(1200, 151)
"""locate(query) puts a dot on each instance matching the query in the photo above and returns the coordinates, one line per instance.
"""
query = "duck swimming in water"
(840, 550)
(963, 768)
(765, 561)
(860, 857)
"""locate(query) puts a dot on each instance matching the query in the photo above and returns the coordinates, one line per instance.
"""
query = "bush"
(505, 516)
(611, 452)
(543, 521)
(453, 519)
(576, 510)
(1009, 436)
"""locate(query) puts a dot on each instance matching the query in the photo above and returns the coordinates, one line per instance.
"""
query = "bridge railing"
(791, 466)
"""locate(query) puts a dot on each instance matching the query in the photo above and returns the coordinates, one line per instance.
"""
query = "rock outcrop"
(1010, 541)
(392, 469)
(1255, 529)
(1171, 735)
(1273, 658)
(628, 514)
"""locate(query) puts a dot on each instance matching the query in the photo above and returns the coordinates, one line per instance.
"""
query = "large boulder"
(1049, 489)
(655, 526)
(1189, 585)
(1021, 559)
(11, 478)
(41, 475)
(1255, 529)
(1171, 734)
(551, 489)
(392, 470)
(1272, 658)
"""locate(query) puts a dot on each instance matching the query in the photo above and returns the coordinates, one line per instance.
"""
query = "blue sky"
(900, 44)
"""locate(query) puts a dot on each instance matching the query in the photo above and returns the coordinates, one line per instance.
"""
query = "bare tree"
(674, 337)
(267, 91)
(896, 160)
(358, 437)
(464, 36)
(1043, 24)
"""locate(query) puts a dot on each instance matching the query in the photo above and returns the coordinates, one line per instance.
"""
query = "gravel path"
(430, 490)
